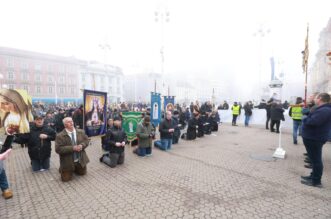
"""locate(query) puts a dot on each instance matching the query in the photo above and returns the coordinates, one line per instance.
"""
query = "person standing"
(248, 107)
(296, 113)
(7, 193)
(276, 114)
(235, 113)
(315, 131)
(70, 144)
(39, 142)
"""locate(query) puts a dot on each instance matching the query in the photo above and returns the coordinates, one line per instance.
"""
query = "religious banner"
(169, 103)
(95, 109)
(130, 122)
(15, 111)
(155, 108)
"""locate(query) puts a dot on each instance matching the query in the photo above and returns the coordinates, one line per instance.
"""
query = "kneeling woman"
(114, 144)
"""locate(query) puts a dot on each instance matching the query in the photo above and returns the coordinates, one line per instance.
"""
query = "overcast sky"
(203, 37)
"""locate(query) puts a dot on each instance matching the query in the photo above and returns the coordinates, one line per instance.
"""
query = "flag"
(95, 109)
(305, 53)
(155, 108)
(130, 122)
(169, 103)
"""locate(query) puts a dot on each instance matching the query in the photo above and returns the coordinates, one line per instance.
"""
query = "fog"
(227, 41)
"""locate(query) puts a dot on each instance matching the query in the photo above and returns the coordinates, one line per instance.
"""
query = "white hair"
(66, 119)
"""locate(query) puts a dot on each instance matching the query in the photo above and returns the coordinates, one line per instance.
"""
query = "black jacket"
(38, 149)
(248, 110)
(276, 113)
(164, 127)
(114, 135)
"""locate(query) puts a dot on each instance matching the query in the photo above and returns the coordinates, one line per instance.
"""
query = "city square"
(229, 174)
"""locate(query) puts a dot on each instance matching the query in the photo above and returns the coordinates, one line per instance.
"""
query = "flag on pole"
(305, 53)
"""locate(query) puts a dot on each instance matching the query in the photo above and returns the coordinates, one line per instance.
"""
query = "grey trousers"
(112, 159)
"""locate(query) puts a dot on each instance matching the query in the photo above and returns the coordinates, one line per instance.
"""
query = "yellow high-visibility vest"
(296, 112)
(235, 110)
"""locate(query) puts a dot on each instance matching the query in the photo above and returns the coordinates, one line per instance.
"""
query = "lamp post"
(261, 32)
(162, 16)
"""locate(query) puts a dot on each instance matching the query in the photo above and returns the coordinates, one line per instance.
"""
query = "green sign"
(130, 122)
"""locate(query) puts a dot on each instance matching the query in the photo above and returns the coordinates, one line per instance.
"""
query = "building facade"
(105, 78)
(56, 79)
(320, 73)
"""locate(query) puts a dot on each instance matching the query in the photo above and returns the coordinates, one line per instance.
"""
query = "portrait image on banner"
(169, 103)
(155, 108)
(15, 111)
(95, 109)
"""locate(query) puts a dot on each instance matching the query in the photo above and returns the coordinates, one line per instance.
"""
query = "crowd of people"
(64, 126)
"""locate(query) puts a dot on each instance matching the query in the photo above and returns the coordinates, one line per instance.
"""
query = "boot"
(7, 194)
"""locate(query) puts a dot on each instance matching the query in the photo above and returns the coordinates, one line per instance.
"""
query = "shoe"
(311, 183)
(306, 177)
(305, 154)
(7, 194)
(42, 170)
(308, 166)
(272, 130)
(101, 158)
(307, 160)
(277, 131)
(148, 155)
(295, 142)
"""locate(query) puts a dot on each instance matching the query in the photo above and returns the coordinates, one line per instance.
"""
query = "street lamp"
(162, 16)
(261, 32)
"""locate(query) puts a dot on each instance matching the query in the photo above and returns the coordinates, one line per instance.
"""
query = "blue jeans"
(3, 180)
(164, 144)
(144, 151)
(40, 164)
(314, 150)
(247, 117)
(296, 126)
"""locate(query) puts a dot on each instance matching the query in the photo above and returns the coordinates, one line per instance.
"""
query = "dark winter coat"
(38, 149)
(164, 127)
(113, 135)
(317, 125)
(277, 113)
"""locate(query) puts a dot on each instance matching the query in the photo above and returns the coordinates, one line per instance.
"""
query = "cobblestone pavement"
(212, 177)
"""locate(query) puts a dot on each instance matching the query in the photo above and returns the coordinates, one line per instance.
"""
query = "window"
(24, 65)
(38, 77)
(10, 75)
(37, 67)
(24, 75)
(118, 89)
(61, 90)
(50, 78)
(50, 89)
(26, 87)
(61, 78)
(10, 62)
(83, 77)
(110, 89)
(72, 90)
(11, 86)
(38, 90)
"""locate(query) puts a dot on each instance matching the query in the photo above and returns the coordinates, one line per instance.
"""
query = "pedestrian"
(315, 131)
(70, 144)
(235, 113)
(276, 115)
(177, 125)
(248, 108)
(296, 113)
(7, 193)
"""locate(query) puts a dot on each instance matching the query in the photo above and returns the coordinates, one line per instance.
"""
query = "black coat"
(192, 129)
(38, 149)
(114, 135)
(276, 113)
(248, 110)
(164, 127)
